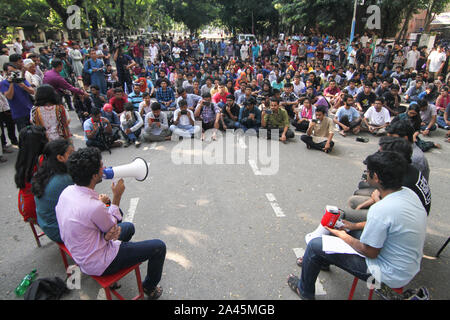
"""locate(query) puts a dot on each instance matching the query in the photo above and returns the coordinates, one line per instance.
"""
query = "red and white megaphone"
(329, 219)
(137, 169)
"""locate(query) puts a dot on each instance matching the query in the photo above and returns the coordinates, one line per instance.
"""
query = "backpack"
(46, 289)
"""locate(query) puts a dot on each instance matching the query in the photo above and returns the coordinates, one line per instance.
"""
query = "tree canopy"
(262, 17)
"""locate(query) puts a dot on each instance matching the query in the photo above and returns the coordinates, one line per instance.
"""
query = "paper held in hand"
(332, 244)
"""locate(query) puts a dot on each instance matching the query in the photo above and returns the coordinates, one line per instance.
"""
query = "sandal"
(323, 268)
(154, 294)
(292, 281)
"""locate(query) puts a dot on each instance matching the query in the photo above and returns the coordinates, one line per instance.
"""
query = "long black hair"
(46, 94)
(32, 140)
(416, 121)
(50, 165)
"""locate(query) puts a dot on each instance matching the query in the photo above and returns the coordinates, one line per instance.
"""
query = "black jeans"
(131, 253)
(300, 126)
(349, 124)
(22, 123)
(289, 133)
(6, 120)
(313, 145)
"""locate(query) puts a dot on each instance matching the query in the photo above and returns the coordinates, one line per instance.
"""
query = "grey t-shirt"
(419, 161)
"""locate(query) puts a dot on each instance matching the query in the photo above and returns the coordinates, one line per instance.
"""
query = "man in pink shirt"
(90, 229)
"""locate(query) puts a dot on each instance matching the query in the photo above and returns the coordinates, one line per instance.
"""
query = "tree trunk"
(404, 29)
(430, 15)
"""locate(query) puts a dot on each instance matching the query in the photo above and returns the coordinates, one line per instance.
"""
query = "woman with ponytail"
(48, 183)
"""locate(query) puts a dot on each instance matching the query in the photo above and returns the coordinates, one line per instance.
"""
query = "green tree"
(252, 16)
(192, 13)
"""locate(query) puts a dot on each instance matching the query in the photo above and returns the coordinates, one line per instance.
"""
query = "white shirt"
(298, 88)
(184, 118)
(436, 59)
(411, 59)
(377, 118)
(18, 48)
(176, 52)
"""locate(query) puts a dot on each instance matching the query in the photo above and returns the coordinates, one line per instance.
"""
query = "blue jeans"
(130, 253)
(314, 258)
(441, 123)
(433, 127)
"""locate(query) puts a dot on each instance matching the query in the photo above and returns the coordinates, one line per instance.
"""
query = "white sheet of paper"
(332, 244)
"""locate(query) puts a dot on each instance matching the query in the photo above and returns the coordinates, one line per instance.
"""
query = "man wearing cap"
(276, 118)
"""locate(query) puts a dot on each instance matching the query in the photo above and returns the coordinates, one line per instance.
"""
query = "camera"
(155, 120)
(183, 112)
(268, 111)
(16, 77)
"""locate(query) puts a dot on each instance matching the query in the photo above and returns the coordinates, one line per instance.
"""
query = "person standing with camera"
(124, 63)
(17, 91)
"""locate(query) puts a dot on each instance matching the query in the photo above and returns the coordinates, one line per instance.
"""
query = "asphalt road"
(231, 232)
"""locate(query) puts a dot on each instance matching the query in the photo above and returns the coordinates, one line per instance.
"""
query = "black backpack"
(46, 289)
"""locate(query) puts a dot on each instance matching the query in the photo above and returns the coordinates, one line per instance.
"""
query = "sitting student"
(209, 114)
(247, 95)
(320, 132)
(249, 116)
(136, 97)
(365, 98)
(443, 100)
(444, 121)
(352, 89)
(289, 99)
(98, 132)
(276, 118)
(156, 125)
(192, 99)
(392, 240)
(413, 92)
(230, 114)
(304, 115)
(48, 183)
(145, 106)
(428, 114)
(376, 118)
(347, 117)
(332, 92)
(90, 229)
(183, 122)
(404, 129)
(392, 101)
(413, 180)
(131, 123)
(166, 96)
(118, 100)
(97, 98)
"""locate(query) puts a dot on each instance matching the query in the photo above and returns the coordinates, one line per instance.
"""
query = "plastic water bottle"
(23, 286)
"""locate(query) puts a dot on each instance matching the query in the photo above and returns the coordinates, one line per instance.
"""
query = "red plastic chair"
(106, 281)
(355, 282)
(35, 233)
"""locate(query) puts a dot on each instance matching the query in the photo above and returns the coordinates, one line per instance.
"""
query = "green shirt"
(277, 120)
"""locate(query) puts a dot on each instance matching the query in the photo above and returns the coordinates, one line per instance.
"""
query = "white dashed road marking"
(273, 202)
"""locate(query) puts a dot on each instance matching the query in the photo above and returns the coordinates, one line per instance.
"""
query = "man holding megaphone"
(90, 226)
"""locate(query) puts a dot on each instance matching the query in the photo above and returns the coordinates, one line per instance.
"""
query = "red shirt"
(217, 97)
(118, 103)
(294, 49)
